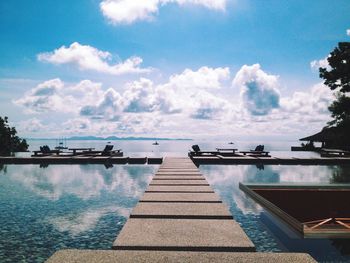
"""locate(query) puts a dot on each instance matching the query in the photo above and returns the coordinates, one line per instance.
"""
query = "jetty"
(179, 219)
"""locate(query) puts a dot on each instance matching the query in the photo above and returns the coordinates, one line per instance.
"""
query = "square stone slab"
(178, 170)
(178, 173)
(179, 182)
(178, 177)
(181, 210)
(182, 188)
(183, 234)
(180, 197)
(142, 256)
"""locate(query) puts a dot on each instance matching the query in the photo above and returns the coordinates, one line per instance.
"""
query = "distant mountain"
(115, 138)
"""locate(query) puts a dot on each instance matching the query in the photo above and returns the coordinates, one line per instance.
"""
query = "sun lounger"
(45, 151)
(197, 152)
(107, 151)
(258, 151)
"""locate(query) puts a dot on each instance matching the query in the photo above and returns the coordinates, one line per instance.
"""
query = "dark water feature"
(45, 209)
(266, 231)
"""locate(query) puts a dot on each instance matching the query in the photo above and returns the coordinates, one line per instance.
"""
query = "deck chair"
(197, 151)
(258, 151)
(259, 148)
(107, 151)
(45, 150)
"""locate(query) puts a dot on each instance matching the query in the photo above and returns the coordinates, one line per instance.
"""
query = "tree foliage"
(9, 141)
(337, 77)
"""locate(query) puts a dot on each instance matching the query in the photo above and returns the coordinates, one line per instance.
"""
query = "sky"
(226, 69)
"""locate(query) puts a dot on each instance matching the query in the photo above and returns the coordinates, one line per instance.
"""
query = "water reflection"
(264, 229)
(65, 206)
(82, 181)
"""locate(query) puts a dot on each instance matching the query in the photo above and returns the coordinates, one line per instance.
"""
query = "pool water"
(267, 231)
(43, 210)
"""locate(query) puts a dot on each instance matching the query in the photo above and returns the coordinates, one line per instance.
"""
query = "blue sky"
(243, 65)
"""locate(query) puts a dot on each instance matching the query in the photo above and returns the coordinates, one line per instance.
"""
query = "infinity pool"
(44, 209)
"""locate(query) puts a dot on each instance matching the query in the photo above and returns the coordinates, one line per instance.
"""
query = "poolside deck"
(179, 219)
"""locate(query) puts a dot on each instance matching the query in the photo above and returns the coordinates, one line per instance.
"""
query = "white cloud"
(322, 63)
(90, 58)
(193, 103)
(186, 93)
(126, 11)
(348, 32)
(56, 96)
(203, 78)
(129, 11)
(259, 91)
(31, 125)
(316, 101)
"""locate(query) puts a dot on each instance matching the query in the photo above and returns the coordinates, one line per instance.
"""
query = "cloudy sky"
(169, 68)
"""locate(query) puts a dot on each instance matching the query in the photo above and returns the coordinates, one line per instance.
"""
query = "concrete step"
(180, 197)
(183, 234)
(181, 210)
(180, 182)
(179, 189)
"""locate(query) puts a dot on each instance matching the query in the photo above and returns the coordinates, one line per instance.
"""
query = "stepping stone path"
(179, 219)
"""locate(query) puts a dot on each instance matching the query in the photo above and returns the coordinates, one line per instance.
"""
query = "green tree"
(9, 141)
(337, 77)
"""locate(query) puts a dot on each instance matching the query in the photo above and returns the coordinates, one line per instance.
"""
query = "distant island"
(115, 138)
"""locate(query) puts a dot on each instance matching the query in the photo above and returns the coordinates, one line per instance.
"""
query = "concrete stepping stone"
(183, 234)
(180, 197)
(178, 177)
(179, 182)
(181, 210)
(182, 188)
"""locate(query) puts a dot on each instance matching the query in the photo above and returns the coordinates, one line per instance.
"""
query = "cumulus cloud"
(314, 101)
(178, 106)
(203, 78)
(348, 32)
(129, 11)
(259, 90)
(106, 107)
(90, 58)
(316, 64)
(56, 96)
(186, 93)
(141, 107)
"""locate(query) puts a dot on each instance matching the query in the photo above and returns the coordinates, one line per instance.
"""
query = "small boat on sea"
(155, 143)
(62, 144)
